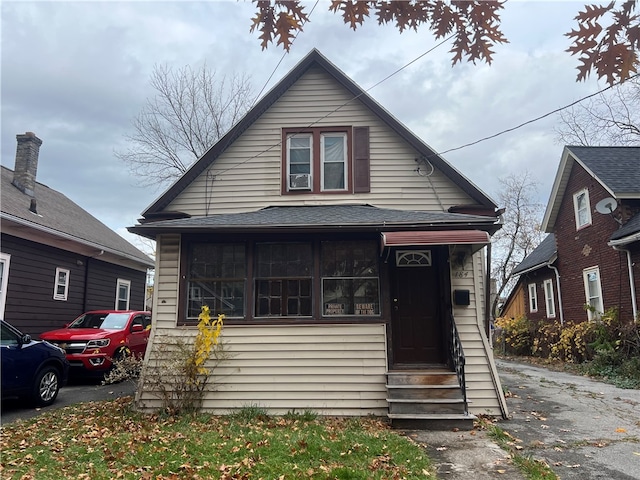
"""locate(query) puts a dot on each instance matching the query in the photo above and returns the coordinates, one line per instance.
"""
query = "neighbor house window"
(5, 258)
(549, 299)
(350, 284)
(123, 288)
(533, 298)
(61, 288)
(283, 282)
(593, 292)
(217, 278)
(582, 208)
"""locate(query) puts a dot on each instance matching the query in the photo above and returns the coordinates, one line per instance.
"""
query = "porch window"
(350, 283)
(533, 298)
(549, 299)
(283, 280)
(217, 277)
(582, 208)
(61, 287)
(593, 292)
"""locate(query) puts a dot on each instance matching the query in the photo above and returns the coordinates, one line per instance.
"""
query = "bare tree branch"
(190, 111)
(520, 233)
(611, 118)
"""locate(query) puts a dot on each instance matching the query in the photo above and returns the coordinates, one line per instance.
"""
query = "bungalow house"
(57, 260)
(347, 256)
(592, 254)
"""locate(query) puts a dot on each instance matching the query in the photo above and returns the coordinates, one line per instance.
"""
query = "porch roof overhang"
(476, 238)
(325, 218)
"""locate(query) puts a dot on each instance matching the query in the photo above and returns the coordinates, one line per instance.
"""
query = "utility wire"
(351, 100)
(533, 120)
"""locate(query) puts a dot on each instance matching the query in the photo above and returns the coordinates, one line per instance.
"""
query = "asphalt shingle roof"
(629, 228)
(319, 216)
(58, 213)
(540, 256)
(616, 167)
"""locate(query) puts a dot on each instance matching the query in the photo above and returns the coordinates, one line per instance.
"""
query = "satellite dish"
(606, 206)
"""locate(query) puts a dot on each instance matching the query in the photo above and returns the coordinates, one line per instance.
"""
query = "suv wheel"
(46, 386)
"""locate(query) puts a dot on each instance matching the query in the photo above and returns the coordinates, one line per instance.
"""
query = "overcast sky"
(77, 73)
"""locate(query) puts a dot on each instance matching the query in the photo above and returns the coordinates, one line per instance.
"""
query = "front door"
(416, 329)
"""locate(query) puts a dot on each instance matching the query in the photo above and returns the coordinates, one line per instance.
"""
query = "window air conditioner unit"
(300, 181)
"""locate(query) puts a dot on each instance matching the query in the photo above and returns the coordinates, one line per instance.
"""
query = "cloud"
(76, 73)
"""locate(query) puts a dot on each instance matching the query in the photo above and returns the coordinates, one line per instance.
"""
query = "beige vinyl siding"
(165, 295)
(482, 389)
(248, 174)
(330, 369)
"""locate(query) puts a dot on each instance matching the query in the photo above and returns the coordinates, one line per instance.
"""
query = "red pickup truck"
(95, 338)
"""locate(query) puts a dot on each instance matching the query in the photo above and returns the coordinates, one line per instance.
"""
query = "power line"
(533, 120)
(278, 144)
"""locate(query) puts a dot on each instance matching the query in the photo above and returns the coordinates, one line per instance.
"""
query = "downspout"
(559, 293)
(632, 285)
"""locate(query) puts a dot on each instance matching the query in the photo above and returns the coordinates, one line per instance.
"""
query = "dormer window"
(325, 160)
(582, 208)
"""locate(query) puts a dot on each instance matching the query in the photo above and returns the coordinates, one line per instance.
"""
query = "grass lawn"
(109, 440)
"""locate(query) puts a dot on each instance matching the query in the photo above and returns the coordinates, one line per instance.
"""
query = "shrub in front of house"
(515, 335)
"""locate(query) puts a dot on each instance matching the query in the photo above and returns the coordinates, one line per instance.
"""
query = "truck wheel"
(46, 386)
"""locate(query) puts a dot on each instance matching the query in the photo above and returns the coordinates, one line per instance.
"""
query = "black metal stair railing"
(457, 356)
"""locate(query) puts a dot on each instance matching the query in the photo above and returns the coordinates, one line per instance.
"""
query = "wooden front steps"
(426, 399)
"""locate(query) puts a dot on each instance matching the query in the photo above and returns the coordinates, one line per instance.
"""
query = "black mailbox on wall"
(461, 297)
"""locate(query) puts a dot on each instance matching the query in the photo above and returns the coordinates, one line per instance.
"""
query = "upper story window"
(61, 288)
(582, 208)
(326, 160)
(533, 298)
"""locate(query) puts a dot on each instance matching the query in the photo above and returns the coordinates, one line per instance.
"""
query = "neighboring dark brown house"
(594, 216)
(57, 260)
(536, 295)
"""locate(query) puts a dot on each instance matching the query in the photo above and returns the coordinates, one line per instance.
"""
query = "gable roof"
(319, 217)
(544, 254)
(62, 223)
(617, 169)
(313, 59)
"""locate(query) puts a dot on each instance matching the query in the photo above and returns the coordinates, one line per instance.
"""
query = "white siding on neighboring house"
(482, 380)
(252, 164)
(330, 369)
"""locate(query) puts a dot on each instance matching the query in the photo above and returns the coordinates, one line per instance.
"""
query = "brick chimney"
(24, 173)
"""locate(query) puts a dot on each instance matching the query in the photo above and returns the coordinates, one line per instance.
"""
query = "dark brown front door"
(415, 328)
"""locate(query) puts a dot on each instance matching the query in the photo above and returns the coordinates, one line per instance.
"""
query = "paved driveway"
(77, 391)
(582, 428)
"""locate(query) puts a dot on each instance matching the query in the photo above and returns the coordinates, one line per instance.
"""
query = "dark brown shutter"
(361, 182)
